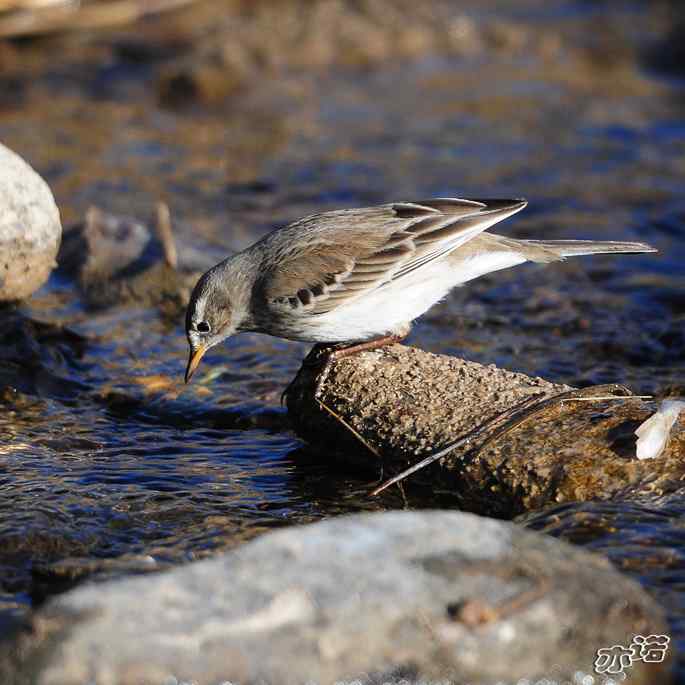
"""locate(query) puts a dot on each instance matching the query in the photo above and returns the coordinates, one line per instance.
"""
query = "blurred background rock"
(209, 49)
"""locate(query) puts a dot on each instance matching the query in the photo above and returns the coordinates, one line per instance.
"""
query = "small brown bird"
(361, 276)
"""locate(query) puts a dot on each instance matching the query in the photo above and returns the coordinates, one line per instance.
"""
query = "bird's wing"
(330, 259)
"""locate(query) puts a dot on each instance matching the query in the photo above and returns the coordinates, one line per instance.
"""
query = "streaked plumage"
(357, 274)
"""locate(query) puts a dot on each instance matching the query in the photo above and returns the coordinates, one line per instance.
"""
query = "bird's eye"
(203, 327)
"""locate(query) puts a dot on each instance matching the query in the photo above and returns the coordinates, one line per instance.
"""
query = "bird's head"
(210, 317)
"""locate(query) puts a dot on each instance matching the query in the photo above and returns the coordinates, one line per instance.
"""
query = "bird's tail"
(577, 248)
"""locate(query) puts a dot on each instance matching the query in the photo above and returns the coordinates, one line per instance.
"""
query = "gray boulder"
(399, 597)
(30, 228)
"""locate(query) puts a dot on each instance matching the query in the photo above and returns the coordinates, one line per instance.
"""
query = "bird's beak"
(196, 355)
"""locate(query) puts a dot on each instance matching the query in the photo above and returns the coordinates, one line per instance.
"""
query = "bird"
(356, 279)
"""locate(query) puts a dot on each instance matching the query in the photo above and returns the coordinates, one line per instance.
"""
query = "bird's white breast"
(388, 309)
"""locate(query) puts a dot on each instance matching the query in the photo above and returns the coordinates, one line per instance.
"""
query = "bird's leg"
(367, 345)
(342, 352)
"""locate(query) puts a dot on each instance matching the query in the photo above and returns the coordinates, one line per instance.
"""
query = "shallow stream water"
(109, 464)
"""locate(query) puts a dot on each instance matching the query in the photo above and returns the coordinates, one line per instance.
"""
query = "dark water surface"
(108, 464)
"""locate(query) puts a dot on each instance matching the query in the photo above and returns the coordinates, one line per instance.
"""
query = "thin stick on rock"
(504, 422)
(609, 397)
(356, 434)
(502, 418)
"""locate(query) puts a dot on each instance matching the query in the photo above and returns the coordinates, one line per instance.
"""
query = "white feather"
(653, 434)
(478, 265)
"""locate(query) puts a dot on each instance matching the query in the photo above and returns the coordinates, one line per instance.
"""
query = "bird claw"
(324, 356)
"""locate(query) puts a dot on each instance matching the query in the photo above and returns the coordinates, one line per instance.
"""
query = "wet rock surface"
(30, 228)
(391, 407)
(33, 359)
(394, 597)
(403, 401)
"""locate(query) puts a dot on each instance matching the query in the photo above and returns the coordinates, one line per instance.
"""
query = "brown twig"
(466, 440)
(166, 235)
(507, 420)
(356, 434)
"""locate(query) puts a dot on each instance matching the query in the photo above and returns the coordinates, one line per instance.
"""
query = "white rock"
(30, 228)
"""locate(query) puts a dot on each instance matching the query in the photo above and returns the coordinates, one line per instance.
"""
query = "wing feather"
(350, 252)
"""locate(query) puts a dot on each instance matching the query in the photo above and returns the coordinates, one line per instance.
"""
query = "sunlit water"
(109, 464)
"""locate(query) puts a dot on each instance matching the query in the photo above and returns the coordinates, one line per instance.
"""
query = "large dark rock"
(380, 598)
(529, 442)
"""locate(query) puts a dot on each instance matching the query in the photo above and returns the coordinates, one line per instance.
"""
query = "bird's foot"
(347, 351)
(323, 356)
